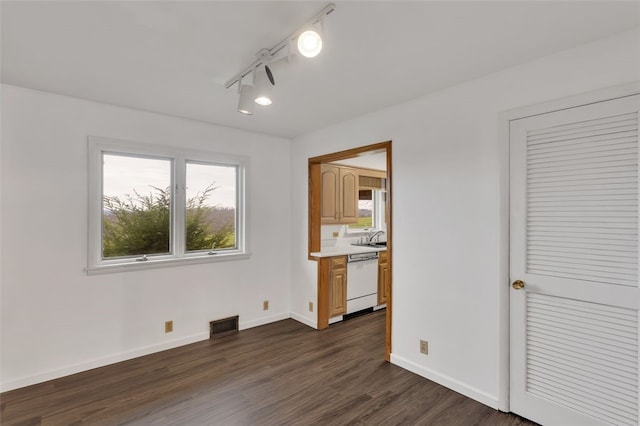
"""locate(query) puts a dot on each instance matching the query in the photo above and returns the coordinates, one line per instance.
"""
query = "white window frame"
(377, 212)
(179, 158)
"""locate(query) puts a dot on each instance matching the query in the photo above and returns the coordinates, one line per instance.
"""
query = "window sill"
(134, 265)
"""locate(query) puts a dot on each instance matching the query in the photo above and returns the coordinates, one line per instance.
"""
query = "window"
(157, 206)
(136, 206)
(371, 211)
(211, 220)
(365, 210)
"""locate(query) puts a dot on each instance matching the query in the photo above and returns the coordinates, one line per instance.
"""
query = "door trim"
(505, 118)
(315, 224)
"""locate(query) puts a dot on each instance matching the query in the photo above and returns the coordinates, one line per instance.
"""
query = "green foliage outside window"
(140, 224)
(208, 226)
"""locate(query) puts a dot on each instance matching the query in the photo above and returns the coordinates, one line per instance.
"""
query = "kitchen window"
(370, 211)
(154, 206)
(366, 210)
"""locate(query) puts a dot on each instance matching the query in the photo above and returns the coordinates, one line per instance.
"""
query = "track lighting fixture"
(246, 94)
(264, 83)
(310, 43)
(246, 99)
(256, 81)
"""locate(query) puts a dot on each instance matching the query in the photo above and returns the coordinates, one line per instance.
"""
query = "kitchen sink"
(371, 244)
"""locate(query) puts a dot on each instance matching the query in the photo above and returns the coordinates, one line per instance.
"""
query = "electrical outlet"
(168, 326)
(310, 306)
(424, 347)
(265, 305)
(336, 234)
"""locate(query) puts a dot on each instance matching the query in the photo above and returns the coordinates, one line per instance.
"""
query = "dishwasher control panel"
(361, 257)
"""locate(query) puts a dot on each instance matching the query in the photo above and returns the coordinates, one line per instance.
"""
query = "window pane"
(136, 206)
(365, 210)
(211, 206)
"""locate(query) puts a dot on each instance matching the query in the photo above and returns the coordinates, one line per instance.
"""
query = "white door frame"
(503, 282)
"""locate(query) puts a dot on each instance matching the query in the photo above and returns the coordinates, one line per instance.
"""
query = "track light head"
(309, 43)
(246, 99)
(246, 90)
(264, 83)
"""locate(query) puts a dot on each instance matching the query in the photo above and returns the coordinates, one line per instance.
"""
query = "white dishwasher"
(362, 281)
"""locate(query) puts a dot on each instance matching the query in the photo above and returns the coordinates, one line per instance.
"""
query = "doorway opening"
(316, 219)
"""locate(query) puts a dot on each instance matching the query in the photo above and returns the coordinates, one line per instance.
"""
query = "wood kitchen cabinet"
(339, 202)
(337, 286)
(383, 277)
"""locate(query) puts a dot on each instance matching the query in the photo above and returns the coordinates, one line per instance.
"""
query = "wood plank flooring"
(279, 374)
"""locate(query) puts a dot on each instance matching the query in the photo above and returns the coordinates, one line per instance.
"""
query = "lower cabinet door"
(338, 286)
(383, 278)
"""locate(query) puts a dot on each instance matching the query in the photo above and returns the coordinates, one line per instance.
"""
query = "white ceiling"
(174, 57)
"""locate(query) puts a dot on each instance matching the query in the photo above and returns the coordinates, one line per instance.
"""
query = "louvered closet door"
(574, 244)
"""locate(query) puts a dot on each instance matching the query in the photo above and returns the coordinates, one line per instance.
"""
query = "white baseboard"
(304, 320)
(262, 321)
(99, 362)
(123, 356)
(449, 382)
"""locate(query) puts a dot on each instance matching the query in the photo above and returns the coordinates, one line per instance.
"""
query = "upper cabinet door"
(329, 208)
(348, 195)
(339, 195)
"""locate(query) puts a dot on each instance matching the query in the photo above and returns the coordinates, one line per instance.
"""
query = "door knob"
(518, 285)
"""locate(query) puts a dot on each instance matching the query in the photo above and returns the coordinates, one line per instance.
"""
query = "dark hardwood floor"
(278, 374)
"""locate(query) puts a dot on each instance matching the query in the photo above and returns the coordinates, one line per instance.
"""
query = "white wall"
(447, 206)
(55, 319)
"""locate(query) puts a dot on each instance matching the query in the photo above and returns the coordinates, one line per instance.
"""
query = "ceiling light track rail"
(265, 56)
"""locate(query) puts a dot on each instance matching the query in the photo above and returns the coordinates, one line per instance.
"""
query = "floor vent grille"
(223, 327)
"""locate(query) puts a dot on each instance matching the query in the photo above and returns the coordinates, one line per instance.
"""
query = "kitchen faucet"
(370, 237)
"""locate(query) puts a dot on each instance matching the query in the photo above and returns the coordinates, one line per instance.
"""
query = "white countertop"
(344, 250)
